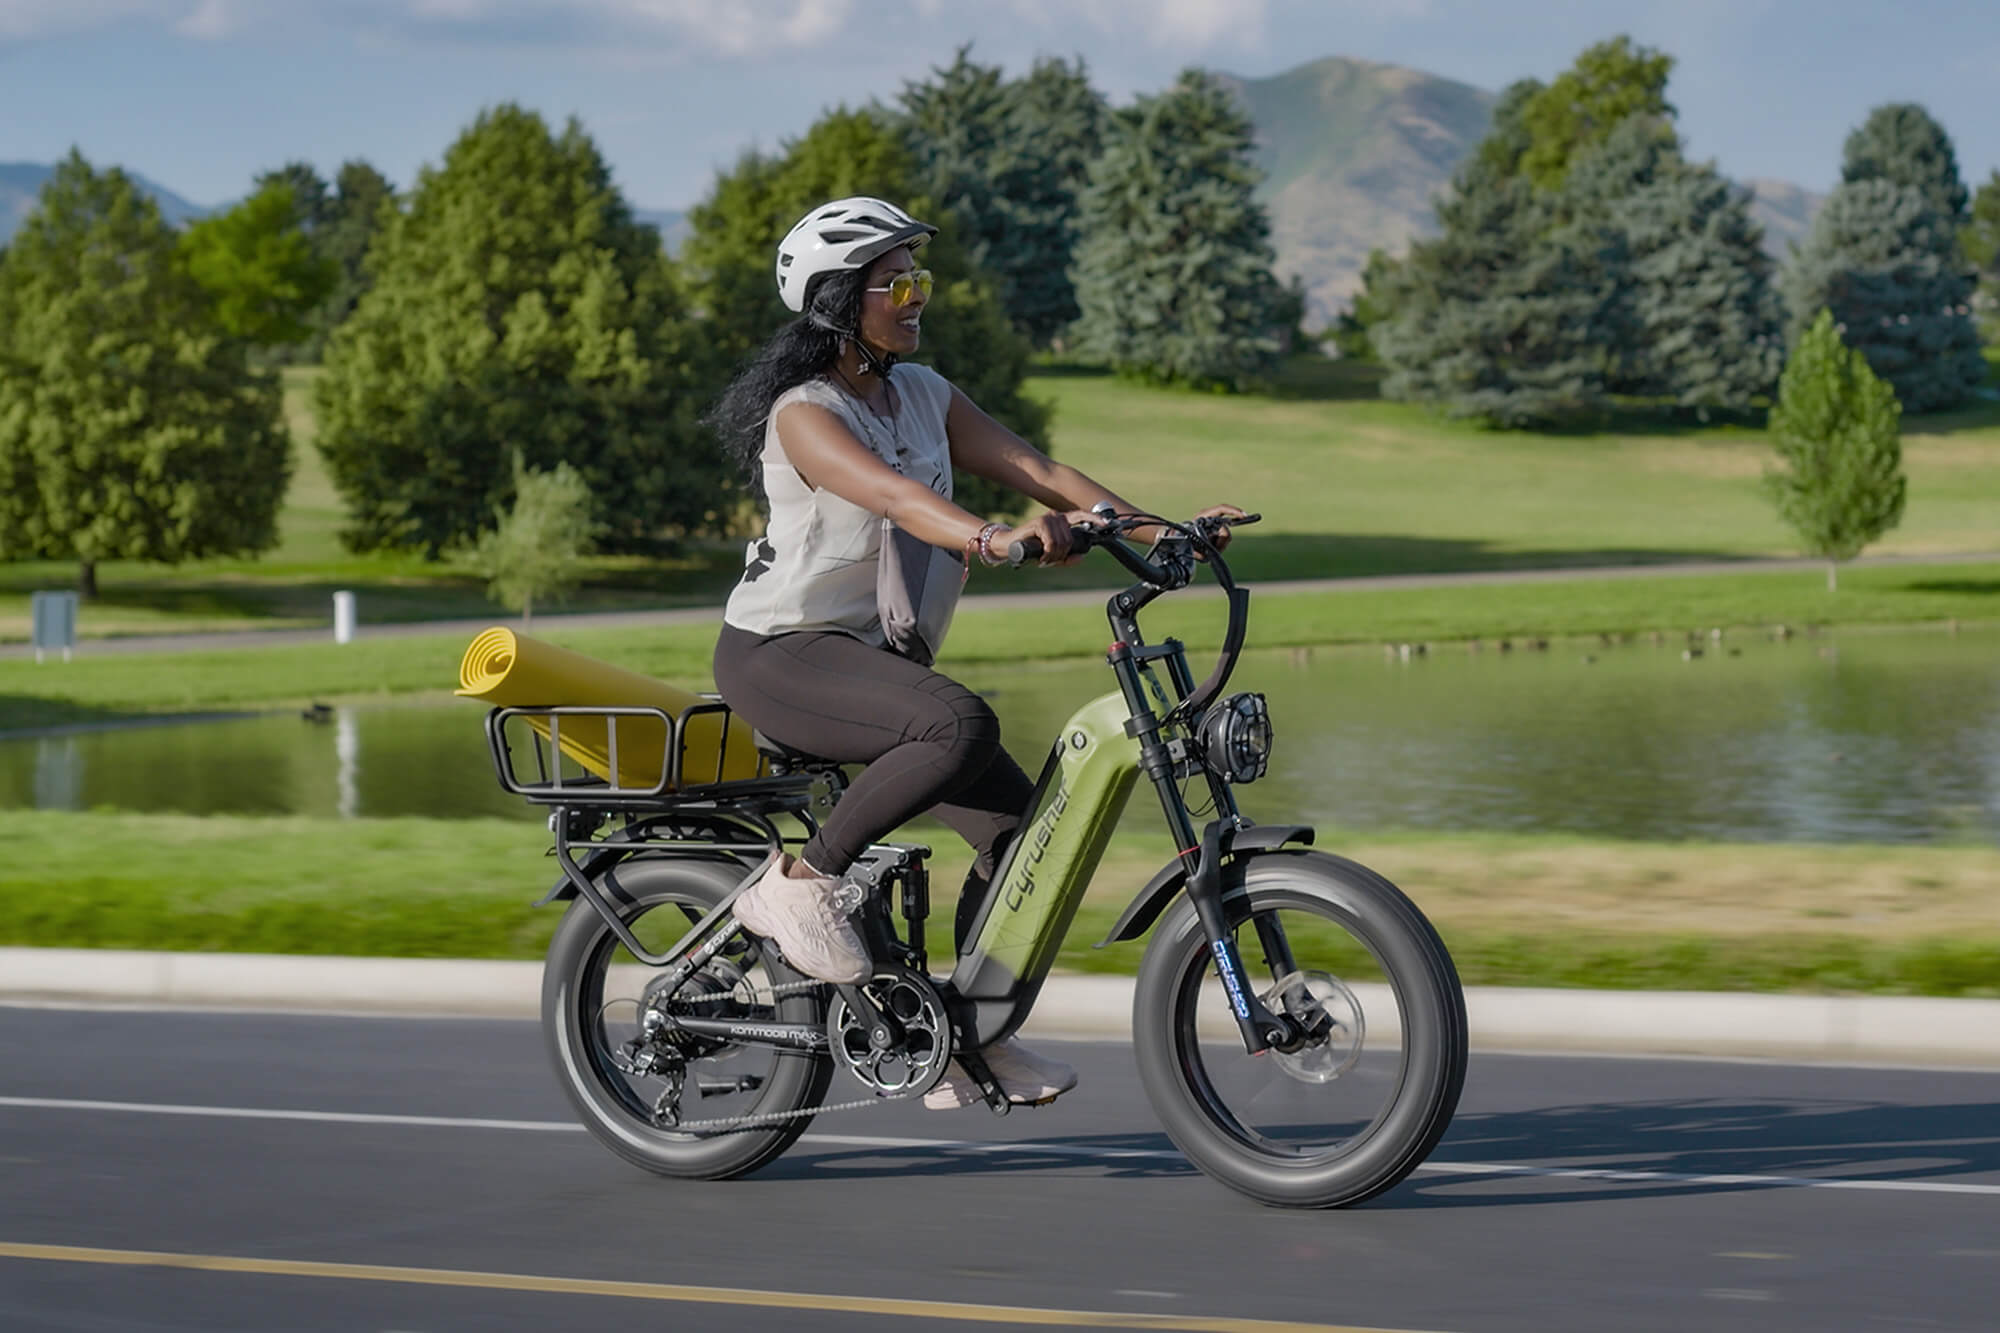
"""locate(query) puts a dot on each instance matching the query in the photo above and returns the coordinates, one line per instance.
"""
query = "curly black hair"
(802, 349)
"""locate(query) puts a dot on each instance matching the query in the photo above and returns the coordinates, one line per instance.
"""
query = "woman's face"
(886, 326)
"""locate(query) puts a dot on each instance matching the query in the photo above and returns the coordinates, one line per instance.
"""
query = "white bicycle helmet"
(846, 233)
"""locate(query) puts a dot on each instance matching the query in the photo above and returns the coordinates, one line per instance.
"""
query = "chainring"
(887, 1065)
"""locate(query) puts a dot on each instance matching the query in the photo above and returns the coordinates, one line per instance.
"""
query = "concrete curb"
(1863, 1029)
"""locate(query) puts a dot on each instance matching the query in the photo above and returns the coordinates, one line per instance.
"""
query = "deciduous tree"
(537, 549)
(130, 425)
(1836, 431)
(1609, 84)
(259, 267)
(517, 305)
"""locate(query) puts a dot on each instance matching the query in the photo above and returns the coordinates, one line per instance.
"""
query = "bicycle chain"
(726, 1124)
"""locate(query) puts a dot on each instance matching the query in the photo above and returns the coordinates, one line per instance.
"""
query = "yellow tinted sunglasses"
(903, 287)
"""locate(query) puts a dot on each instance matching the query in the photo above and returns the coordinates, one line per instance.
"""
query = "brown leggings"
(929, 743)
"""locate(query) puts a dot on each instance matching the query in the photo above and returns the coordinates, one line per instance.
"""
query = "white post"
(343, 617)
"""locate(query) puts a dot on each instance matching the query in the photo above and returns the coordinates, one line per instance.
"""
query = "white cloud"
(22, 19)
(210, 20)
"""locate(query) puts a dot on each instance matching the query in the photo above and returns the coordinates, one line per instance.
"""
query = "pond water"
(1883, 737)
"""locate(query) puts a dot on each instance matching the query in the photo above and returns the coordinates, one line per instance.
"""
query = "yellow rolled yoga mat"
(506, 670)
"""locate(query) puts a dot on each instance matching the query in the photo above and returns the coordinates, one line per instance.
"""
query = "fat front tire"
(1336, 1124)
(659, 898)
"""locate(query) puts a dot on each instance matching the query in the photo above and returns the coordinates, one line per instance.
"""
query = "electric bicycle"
(1298, 1025)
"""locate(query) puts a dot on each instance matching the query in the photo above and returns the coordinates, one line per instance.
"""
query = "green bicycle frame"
(1041, 878)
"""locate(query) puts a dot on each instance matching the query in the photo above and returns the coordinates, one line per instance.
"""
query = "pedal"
(973, 1065)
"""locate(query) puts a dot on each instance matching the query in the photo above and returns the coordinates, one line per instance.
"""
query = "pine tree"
(1351, 334)
(1980, 242)
(1173, 275)
(1054, 131)
(733, 239)
(1899, 142)
(516, 306)
(1499, 318)
(1887, 264)
(1835, 428)
(1008, 160)
(353, 217)
(954, 122)
(312, 202)
(1696, 319)
(1703, 313)
(130, 424)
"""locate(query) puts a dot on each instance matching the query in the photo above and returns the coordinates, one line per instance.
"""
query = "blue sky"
(201, 94)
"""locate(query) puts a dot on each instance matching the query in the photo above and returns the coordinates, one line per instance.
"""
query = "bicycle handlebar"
(1085, 537)
(1154, 580)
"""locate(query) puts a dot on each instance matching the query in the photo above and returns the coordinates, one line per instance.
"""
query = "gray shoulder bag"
(916, 592)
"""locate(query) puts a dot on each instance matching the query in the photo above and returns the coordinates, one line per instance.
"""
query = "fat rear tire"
(581, 944)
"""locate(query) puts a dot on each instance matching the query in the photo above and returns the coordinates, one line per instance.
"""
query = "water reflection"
(58, 773)
(1892, 738)
(347, 750)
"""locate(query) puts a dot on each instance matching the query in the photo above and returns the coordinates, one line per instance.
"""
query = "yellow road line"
(666, 1291)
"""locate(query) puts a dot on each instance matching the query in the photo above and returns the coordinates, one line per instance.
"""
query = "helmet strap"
(878, 364)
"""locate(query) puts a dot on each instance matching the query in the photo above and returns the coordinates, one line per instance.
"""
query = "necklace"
(892, 453)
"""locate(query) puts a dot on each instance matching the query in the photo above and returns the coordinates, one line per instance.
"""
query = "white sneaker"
(806, 918)
(1027, 1079)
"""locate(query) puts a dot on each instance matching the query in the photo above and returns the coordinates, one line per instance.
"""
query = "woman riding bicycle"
(842, 435)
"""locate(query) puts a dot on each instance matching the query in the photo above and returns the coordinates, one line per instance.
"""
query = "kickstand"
(996, 1100)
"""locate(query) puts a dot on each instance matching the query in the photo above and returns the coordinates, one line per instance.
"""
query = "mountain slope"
(1352, 152)
(1785, 211)
(21, 184)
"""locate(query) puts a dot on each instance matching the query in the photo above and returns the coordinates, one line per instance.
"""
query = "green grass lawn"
(113, 686)
(1349, 485)
(1515, 910)
(104, 688)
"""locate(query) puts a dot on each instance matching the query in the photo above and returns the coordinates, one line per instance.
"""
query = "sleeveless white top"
(814, 568)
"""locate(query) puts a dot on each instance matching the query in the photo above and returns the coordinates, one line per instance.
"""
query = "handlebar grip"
(1022, 551)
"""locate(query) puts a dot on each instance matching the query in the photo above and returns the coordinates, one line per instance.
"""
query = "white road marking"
(1027, 1148)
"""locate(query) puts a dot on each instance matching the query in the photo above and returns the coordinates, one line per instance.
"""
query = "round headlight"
(1236, 738)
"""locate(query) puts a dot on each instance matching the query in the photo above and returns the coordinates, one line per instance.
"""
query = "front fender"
(1160, 890)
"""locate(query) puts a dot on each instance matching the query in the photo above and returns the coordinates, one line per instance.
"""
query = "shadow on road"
(1153, 1157)
(1722, 1137)
(1782, 1137)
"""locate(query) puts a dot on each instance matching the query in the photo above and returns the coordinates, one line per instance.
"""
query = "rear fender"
(1163, 887)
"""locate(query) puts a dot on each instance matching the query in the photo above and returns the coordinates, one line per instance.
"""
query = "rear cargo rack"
(550, 786)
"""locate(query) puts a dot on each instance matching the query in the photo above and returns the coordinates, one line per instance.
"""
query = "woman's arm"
(985, 448)
(825, 453)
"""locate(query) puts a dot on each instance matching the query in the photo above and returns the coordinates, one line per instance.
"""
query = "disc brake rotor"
(1324, 1005)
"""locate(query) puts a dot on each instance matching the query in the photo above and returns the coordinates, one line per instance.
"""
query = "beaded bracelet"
(985, 543)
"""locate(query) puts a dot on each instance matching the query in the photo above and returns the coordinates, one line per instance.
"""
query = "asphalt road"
(424, 1175)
